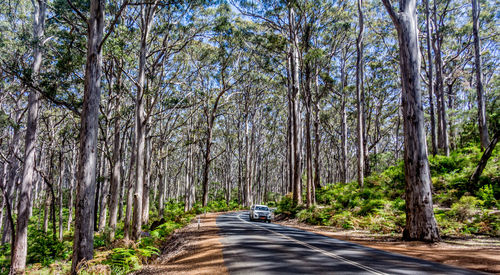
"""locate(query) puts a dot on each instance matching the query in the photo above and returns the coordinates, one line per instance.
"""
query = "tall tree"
(360, 98)
(481, 104)
(83, 242)
(420, 221)
(295, 106)
(148, 12)
(431, 78)
(20, 248)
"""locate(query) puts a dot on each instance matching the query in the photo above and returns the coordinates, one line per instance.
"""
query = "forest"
(122, 120)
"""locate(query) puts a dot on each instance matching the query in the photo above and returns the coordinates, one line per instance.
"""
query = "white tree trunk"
(420, 222)
(20, 247)
(83, 243)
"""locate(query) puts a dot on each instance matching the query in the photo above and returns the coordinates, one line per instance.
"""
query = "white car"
(260, 213)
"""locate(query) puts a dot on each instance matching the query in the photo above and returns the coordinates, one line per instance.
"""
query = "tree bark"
(20, 247)
(116, 172)
(130, 191)
(295, 103)
(104, 196)
(60, 191)
(147, 16)
(420, 221)
(307, 128)
(147, 174)
(359, 96)
(474, 179)
(83, 244)
(431, 78)
(345, 167)
(441, 108)
(481, 104)
(71, 189)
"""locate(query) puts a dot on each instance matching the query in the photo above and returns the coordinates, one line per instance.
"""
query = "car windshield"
(262, 208)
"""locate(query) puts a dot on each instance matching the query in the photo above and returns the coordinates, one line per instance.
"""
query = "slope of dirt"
(481, 254)
(191, 250)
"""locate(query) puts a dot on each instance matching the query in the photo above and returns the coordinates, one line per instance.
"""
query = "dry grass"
(191, 251)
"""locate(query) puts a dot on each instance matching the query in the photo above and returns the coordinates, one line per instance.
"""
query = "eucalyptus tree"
(420, 221)
(20, 246)
(481, 108)
(226, 56)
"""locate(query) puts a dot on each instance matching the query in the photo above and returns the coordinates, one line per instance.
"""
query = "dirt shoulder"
(191, 251)
(481, 254)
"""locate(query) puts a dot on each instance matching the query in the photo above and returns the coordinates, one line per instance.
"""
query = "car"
(260, 213)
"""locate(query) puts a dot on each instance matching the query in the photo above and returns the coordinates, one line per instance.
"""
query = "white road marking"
(324, 252)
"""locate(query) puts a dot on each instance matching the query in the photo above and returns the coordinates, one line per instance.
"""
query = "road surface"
(261, 248)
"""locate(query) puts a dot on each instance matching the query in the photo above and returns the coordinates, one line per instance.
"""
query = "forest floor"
(476, 253)
(191, 250)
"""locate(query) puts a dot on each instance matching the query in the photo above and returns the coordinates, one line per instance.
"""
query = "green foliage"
(287, 207)
(4, 259)
(43, 249)
(380, 205)
(125, 260)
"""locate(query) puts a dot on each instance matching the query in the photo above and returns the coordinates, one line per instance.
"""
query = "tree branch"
(113, 23)
(78, 12)
(394, 16)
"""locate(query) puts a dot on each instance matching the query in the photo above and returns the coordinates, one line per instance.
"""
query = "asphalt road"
(261, 248)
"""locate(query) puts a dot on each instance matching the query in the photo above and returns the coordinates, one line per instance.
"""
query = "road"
(261, 248)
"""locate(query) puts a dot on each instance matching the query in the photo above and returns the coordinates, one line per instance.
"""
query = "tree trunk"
(248, 162)
(83, 244)
(345, 167)
(431, 78)
(420, 222)
(359, 96)
(147, 175)
(116, 173)
(481, 104)
(130, 191)
(104, 196)
(317, 140)
(295, 104)
(307, 128)
(20, 246)
(60, 191)
(71, 189)
(147, 15)
(9, 189)
(441, 108)
(474, 179)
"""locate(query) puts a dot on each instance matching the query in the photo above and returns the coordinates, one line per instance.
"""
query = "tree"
(481, 104)
(83, 243)
(20, 247)
(360, 98)
(148, 12)
(420, 221)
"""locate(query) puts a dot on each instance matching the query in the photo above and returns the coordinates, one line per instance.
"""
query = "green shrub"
(466, 208)
(486, 194)
(287, 207)
(44, 249)
(125, 260)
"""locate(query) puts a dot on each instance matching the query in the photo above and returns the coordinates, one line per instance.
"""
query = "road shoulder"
(485, 257)
(191, 250)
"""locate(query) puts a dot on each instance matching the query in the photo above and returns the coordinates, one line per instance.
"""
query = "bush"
(466, 208)
(125, 260)
(486, 194)
(44, 249)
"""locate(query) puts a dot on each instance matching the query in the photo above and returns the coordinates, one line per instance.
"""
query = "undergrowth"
(380, 207)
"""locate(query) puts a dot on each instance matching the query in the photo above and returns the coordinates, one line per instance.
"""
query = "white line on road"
(324, 252)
